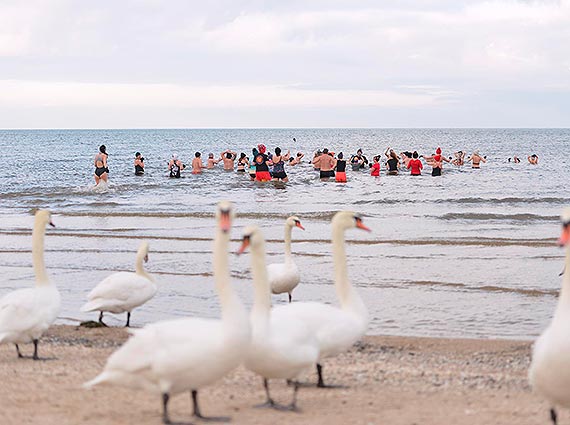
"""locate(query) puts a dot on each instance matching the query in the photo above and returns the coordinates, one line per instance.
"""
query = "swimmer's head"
(197, 154)
(137, 154)
(299, 154)
(340, 155)
(415, 155)
(242, 155)
(103, 149)
(325, 151)
(291, 159)
(408, 154)
(261, 148)
(438, 151)
(359, 151)
(175, 156)
(277, 151)
(229, 155)
(210, 155)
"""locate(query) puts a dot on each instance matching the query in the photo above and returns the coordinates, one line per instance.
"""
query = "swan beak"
(565, 236)
(225, 222)
(299, 225)
(51, 223)
(244, 245)
(362, 226)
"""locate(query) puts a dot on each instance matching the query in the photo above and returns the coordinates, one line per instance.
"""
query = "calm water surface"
(470, 254)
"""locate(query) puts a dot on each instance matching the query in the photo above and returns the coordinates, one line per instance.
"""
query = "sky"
(311, 63)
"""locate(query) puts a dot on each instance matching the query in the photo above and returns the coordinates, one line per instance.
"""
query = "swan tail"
(91, 306)
(103, 377)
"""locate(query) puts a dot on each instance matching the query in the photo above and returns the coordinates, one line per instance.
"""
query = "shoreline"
(390, 379)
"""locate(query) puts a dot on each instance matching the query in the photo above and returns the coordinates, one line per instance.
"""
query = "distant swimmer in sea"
(100, 162)
(175, 166)
(197, 165)
(406, 158)
(340, 168)
(211, 161)
(515, 159)
(533, 159)
(297, 159)
(139, 164)
(358, 161)
(278, 161)
(326, 164)
(475, 159)
(459, 158)
(229, 158)
(375, 168)
(393, 162)
(262, 164)
(415, 165)
(436, 162)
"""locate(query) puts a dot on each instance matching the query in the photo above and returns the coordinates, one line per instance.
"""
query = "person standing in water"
(325, 163)
(197, 165)
(340, 176)
(175, 166)
(229, 158)
(262, 163)
(393, 162)
(476, 160)
(211, 161)
(100, 162)
(533, 159)
(278, 160)
(375, 168)
(139, 164)
(415, 165)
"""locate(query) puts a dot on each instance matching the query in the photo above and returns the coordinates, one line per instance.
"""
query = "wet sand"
(391, 380)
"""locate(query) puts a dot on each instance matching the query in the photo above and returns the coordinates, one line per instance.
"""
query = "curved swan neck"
(288, 230)
(38, 236)
(348, 297)
(230, 303)
(262, 293)
(139, 264)
(564, 300)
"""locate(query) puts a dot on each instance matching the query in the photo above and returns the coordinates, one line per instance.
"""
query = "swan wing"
(123, 289)
(283, 277)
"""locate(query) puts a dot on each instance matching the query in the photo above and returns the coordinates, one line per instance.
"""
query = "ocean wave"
(486, 288)
(492, 216)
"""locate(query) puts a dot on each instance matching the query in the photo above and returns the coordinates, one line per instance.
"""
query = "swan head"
(294, 221)
(253, 237)
(565, 236)
(43, 218)
(224, 215)
(348, 220)
(143, 250)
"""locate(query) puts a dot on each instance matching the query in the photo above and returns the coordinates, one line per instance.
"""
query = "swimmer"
(262, 163)
(415, 165)
(197, 165)
(100, 162)
(406, 158)
(533, 159)
(211, 161)
(252, 164)
(393, 162)
(340, 168)
(459, 159)
(243, 163)
(175, 166)
(139, 164)
(326, 164)
(375, 168)
(229, 158)
(436, 161)
(476, 160)
(358, 161)
(278, 161)
(315, 162)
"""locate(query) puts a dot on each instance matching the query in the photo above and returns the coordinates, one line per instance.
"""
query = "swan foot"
(165, 418)
(20, 356)
(198, 414)
(128, 325)
(101, 319)
(553, 416)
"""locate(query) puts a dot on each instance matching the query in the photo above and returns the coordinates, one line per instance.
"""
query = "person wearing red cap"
(262, 164)
(436, 161)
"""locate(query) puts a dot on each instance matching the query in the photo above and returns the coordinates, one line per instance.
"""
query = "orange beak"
(244, 245)
(565, 236)
(225, 222)
(299, 225)
(361, 226)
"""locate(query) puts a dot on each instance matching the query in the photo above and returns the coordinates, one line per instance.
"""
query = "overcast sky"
(273, 63)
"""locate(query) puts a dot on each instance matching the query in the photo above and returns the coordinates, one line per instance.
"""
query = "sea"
(470, 254)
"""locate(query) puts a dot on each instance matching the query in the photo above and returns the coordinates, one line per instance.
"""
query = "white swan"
(284, 277)
(186, 354)
(123, 291)
(26, 314)
(279, 349)
(549, 372)
(336, 329)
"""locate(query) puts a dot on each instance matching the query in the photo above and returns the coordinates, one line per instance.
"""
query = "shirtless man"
(197, 165)
(296, 160)
(229, 158)
(533, 159)
(475, 159)
(211, 161)
(326, 163)
(100, 162)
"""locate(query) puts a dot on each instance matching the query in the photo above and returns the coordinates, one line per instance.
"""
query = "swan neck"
(139, 264)
(564, 300)
(262, 292)
(38, 236)
(230, 303)
(288, 230)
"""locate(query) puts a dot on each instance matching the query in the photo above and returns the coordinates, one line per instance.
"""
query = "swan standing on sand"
(174, 356)
(25, 314)
(279, 349)
(284, 277)
(122, 292)
(336, 328)
(549, 372)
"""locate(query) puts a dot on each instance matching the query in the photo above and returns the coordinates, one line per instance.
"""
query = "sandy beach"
(390, 380)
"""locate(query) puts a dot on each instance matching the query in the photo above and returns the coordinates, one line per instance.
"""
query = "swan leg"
(553, 416)
(128, 325)
(293, 405)
(36, 357)
(321, 382)
(165, 398)
(270, 403)
(290, 297)
(101, 319)
(18, 351)
(198, 414)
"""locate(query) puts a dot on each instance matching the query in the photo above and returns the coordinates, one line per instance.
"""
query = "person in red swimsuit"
(376, 167)
(262, 163)
(416, 165)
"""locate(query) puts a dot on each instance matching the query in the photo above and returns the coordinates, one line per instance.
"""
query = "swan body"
(123, 291)
(335, 328)
(25, 314)
(173, 356)
(284, 277)
(549, 372)
(280, 349)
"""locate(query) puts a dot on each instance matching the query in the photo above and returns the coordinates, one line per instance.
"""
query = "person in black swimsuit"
(278, 160)
(100, 162)
(393, 162)
(139, 164)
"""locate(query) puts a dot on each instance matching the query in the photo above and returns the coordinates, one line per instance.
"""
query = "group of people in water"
(265, 166)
